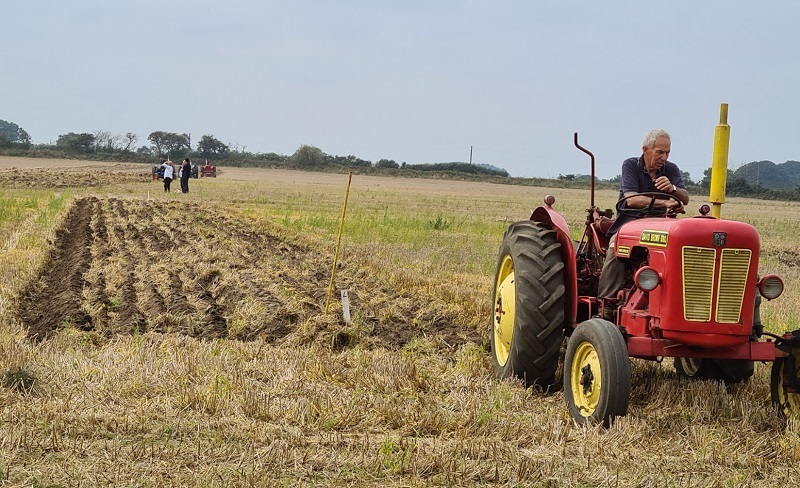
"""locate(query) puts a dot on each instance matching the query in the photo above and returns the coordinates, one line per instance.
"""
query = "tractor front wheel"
(526, 329)
(597, 373)
(787, 400)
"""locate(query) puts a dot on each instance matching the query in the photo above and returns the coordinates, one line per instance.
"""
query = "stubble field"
(152, 339)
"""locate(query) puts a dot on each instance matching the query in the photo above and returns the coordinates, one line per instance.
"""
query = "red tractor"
(208, 171)
(692, 293)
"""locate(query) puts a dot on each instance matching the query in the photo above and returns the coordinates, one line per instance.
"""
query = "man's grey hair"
(650, 137)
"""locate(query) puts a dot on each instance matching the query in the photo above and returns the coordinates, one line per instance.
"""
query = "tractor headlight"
(647, 279)
(770, 286)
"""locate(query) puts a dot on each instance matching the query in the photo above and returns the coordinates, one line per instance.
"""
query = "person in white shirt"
(169, 172)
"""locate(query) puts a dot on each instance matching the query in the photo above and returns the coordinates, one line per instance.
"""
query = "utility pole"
(470, 155)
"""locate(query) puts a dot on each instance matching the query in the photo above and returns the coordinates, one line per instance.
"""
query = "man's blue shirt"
(636, 179)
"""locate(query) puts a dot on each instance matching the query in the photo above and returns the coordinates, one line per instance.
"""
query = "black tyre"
(597, 373)
(729, 371)
(787, 402)
(526, 329)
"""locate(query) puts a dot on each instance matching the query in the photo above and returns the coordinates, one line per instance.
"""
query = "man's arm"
(664, 184)
(682, 195)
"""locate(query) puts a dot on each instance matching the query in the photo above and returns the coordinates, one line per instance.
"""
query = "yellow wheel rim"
(586, 380)
(690, 365)
(790, 402)
(503, 314)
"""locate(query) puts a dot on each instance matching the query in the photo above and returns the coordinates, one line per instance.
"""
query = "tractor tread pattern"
(540, 315)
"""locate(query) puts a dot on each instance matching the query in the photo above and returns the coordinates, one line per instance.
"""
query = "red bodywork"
(208, 171)
(655, 323)
(660, 313)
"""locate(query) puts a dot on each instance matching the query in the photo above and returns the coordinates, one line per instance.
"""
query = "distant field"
(153, 339)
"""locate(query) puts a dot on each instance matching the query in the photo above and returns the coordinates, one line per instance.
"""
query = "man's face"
(656, 156)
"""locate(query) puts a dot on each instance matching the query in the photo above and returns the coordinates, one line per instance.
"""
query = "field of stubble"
(152, 339)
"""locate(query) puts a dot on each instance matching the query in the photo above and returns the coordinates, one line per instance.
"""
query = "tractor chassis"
(650, 348)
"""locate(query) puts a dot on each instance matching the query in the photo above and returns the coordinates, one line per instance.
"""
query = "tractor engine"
(695, 280)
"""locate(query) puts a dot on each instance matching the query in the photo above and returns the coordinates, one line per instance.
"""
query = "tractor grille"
(698, 280)
(699, 265)
(733, 270)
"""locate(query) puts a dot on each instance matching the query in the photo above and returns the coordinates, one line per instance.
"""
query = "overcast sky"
(414, 81)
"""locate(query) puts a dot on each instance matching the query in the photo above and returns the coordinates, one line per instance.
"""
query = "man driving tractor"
(650, 172)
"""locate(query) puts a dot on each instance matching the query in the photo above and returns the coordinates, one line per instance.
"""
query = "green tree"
(73, 142)
(706, 181)
(12, 133)
(386, 163)
(210, 146)
(349, 161)
(308, 156)
(169, 142)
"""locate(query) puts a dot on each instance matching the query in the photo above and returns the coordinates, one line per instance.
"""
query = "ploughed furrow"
(126, 316)
(95, 301)
(125, 266)
(55, 298)
(209, 294)
(144, 256)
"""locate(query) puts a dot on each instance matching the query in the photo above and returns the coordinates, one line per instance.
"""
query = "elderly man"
(650, 172)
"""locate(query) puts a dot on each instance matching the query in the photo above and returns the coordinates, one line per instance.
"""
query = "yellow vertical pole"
(719, 162)
(338, 242)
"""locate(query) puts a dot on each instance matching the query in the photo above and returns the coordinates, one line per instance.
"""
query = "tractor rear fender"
(549, 216)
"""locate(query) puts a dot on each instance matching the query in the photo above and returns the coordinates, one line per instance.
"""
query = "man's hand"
(663, 184)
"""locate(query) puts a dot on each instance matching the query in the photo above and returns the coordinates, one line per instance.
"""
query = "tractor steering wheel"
(651, 210)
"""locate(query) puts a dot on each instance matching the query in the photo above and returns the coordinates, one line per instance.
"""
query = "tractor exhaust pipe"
(591, 156)
(719, 162)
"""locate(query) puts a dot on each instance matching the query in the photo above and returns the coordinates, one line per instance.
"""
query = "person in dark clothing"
(186, 169)
(650, 172)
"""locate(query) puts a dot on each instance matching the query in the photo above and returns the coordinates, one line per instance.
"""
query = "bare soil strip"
(72, 176)
(124, 266)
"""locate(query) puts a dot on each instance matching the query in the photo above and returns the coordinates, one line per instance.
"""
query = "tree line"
(103, 145)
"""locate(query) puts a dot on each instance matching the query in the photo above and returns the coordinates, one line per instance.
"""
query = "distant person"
(186, 169)
(158, 169)
(169, 172)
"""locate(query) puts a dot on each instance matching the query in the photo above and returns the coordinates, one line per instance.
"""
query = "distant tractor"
(208, 171)
(158, 172)
(692, 293)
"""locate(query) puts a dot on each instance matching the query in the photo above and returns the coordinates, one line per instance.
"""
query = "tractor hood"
(706, 232)
(707, 273)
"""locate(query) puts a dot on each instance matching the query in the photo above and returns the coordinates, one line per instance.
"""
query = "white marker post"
(345, 307)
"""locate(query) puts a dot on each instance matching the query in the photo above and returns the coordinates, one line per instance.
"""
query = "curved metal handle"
(591, 156)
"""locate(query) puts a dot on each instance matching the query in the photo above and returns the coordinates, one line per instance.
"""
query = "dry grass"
(282, 394)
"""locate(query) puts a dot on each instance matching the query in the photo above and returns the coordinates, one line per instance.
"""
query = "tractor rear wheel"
(787, 402)
(526, 329)
(729, 371)
(597, 373)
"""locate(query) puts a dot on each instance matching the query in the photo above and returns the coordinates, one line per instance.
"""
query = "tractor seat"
(603, 224)
(600, 234)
